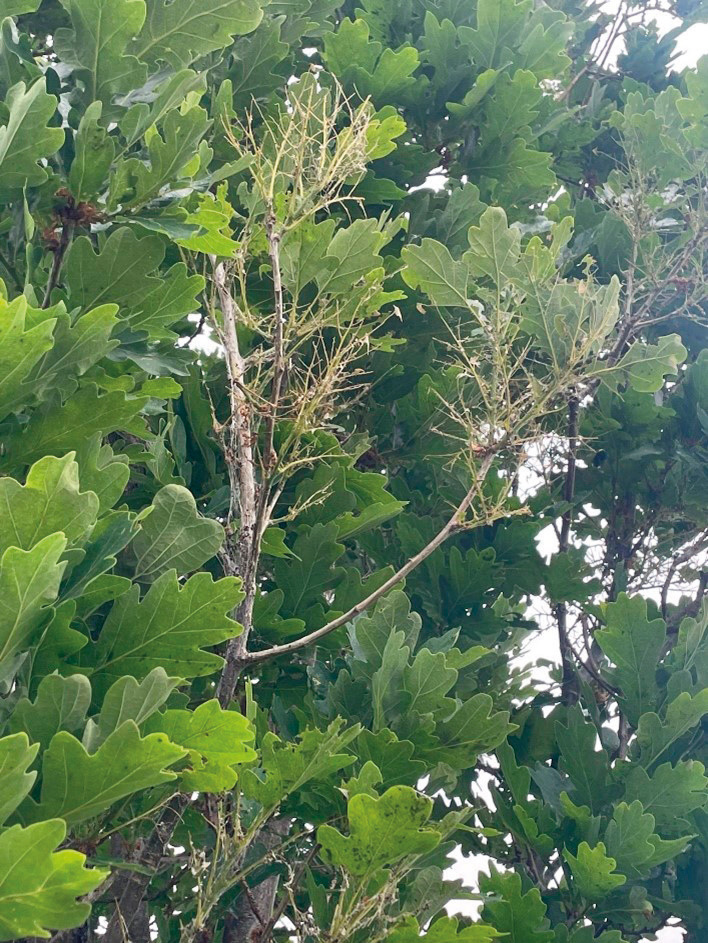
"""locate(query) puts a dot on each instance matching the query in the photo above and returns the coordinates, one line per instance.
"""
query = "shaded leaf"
(174, 535)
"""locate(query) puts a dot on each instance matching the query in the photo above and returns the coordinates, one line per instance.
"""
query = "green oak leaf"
(494, 247)
(520, 917)
(425, 683)
(631, 841)
(473, 729)
(96, 44)
(170, 627)
(656, 735)
(77, 785)
(78, 346)
(512, 107)
(25, 139)
(500, 26)
(174, 535)
(128, 699)
(48, 502)
(102, 471)
(354, 252)
(634, 645)
(443, 930)
(371, 632)
(18, 7)
(382, 74)
(173, 298)
(118, 272)
(386, 680)
(304, 254)
(213, 215)
(29, 582)
(39, 886)
(462, 210)
(587, 767)
(59, 704)
(304, 579)
(382, 831)
(24, 340)
(565, 577)
(58, 427)
(644, 366)
(181, 31)
(368, 778)
(513, 171)
(669, 793)
(16, 756)
(59, 644)
(483, 84)
(431, 268)
(216, 740)
(287, 767)
(171, 154)
(94, 150)
(594, 871)
(253, 73)
(394, 758)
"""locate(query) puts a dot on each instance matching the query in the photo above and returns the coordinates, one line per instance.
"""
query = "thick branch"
(455, 523)
(130, 886)
(242, 551)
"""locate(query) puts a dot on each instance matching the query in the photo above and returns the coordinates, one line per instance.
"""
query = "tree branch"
(454, 524)
(67, 232)
(242, 553)
(569, 682)
(131, 885)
